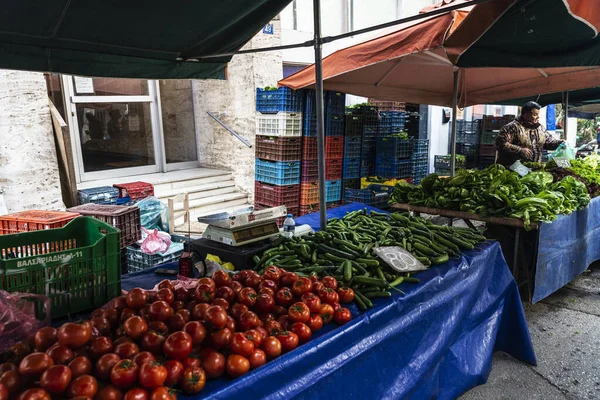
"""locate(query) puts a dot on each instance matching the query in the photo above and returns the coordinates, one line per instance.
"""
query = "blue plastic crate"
(309, 126)
(333, 190)
(394, 147)
(393, 167)
(420, 161)
(99, 195)
(277, 172)
(353, 125)
(334, 124)
(351, 168)
(421, 146)
(370, 129)
(367, 167)
(352, 147)
(397, 129)
(333, 102)
(274, 101)
(374, 195)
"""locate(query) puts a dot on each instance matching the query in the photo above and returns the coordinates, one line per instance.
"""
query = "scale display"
(255, 232)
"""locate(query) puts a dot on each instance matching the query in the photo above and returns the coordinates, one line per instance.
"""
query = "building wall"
(177, 108)
(233, 101)
(29, 173)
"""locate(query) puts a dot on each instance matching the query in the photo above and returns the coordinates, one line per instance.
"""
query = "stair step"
(218, 207)
(213, 200)
(198, 191)
(179, 184)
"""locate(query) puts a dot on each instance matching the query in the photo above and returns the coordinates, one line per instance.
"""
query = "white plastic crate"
(280, 124)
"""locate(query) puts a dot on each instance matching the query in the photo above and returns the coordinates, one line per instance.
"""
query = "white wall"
(438, 135)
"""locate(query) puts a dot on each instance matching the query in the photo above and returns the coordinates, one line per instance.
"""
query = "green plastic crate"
(489, 137)
(76, 266)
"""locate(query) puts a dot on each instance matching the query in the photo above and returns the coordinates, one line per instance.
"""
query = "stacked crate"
(279, 147)
(490, 126)
(467, 140)
(370, 131)
(420, 160)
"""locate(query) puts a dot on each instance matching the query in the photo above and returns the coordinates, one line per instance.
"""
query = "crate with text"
(278, 148)
(34, 220)
(275, 195)
(277, 172)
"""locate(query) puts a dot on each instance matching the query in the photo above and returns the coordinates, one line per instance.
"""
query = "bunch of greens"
(497, 191)
(587, 168)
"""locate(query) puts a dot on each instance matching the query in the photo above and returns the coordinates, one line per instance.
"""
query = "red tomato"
(112, 315)
(288, 340)
(60, 354)
(284, 297)
(330, 282)
(283, 321)
(213, 364)
(3, 392)
(224, 304)
(126, 313)
(220, 338)
(264, 303)
(8, 366)
(174, 372)
(120, 303)
(240, 277)
(191, 362)
(329, 296)
(326, 313)
(74, 335)
(136, 298)
(241, 345)
(221, 278)
(247, 296)
(336, 306)
(83, 386)
(346, 295)
(262, 331)
(237, 365)
(288, 278)
(257, 358)
(160, 311)
(298, 312)
(193, 380)
(272, 327)
(226, 293)
(34, 394)
(236, 286)
(56, 379)
(178, 305)
(268, 284)
(248, 320)
(136, 394)
(11, 380)
(312, 301)
(127, 350)
(34, 364)
(143, 358)
(176, 322)
(216, 317)
(255, 336)
(182, 294)
(315, 323)
(253, 281)
(104, 365)
(100, 327)
(231, 324)
(121, 337)
(152, 342)
(100, 346)
(196, 330)
(280, 310)
(301, 286)
(266, 290)
(135, 327)
(178, 346)
(163, 393)
(209, 282)
(45, 338)
(204, 293)
(302, 330)
(317, 286)
(272, 347)
(272, 273)
(342, 315)
(165, 295)
(199, 310)
(185, 313)
(237, 310)
(109, 393)
(166, 284)
(152, 375)
(314, 278)
(266, 317)
(80, 366)
(124, 374)
(17, 352)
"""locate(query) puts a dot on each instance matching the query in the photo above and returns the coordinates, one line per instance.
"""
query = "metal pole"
(454, 112)
(566, 124)
(320, 112)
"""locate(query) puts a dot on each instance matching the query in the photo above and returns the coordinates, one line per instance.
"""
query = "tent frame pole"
(566, 124)
(454, 112)
(320, 112)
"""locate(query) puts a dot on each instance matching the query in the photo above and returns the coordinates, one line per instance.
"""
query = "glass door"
(115, 126)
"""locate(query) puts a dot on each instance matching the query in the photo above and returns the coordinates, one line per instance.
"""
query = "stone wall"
(29, 173)
(233, 101)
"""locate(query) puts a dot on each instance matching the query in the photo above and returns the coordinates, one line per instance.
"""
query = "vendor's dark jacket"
(518, 134)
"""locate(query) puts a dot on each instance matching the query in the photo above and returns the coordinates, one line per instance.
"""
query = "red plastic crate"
(308, 209)
(309, 148)
(295, 211)
(334, 168)
(309, 171)
(309, 193)
(278, 148)
(135, 190)
(124, 218)
(487, 150)
(275, 195)
(334, 147)
(34, 220)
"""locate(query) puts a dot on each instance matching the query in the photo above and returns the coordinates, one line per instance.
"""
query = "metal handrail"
(233, 133)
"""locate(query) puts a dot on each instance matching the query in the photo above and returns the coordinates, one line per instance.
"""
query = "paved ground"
(565, 330)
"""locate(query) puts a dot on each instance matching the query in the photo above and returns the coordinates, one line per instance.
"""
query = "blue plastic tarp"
(566, 248)
(436, 341)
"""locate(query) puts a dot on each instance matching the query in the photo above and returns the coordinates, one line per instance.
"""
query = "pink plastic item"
(156, 242)
(18, 319)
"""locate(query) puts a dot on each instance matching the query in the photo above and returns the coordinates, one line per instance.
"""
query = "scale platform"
(243, 226)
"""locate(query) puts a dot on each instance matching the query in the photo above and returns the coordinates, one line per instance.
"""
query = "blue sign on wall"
(551, 117)
(268, 29)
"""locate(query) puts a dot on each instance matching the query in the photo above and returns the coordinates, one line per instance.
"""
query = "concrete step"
(218, 207)
(199, 191)
(216, 177)
(198, 205)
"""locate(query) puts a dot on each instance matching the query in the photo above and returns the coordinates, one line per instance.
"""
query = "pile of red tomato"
(148, 345)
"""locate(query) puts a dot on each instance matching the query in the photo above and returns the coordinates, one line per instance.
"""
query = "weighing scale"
(243, 226)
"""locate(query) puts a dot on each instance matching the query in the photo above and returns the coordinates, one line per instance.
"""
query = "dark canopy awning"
(149, 39)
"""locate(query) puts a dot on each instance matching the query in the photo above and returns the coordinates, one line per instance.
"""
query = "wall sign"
(268, 29)
(562, 162)
(399, 259)
(84, 85)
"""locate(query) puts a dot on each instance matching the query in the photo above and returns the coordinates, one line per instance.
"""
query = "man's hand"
(527, 153)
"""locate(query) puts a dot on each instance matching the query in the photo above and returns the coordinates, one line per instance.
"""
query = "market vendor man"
(524, 138)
